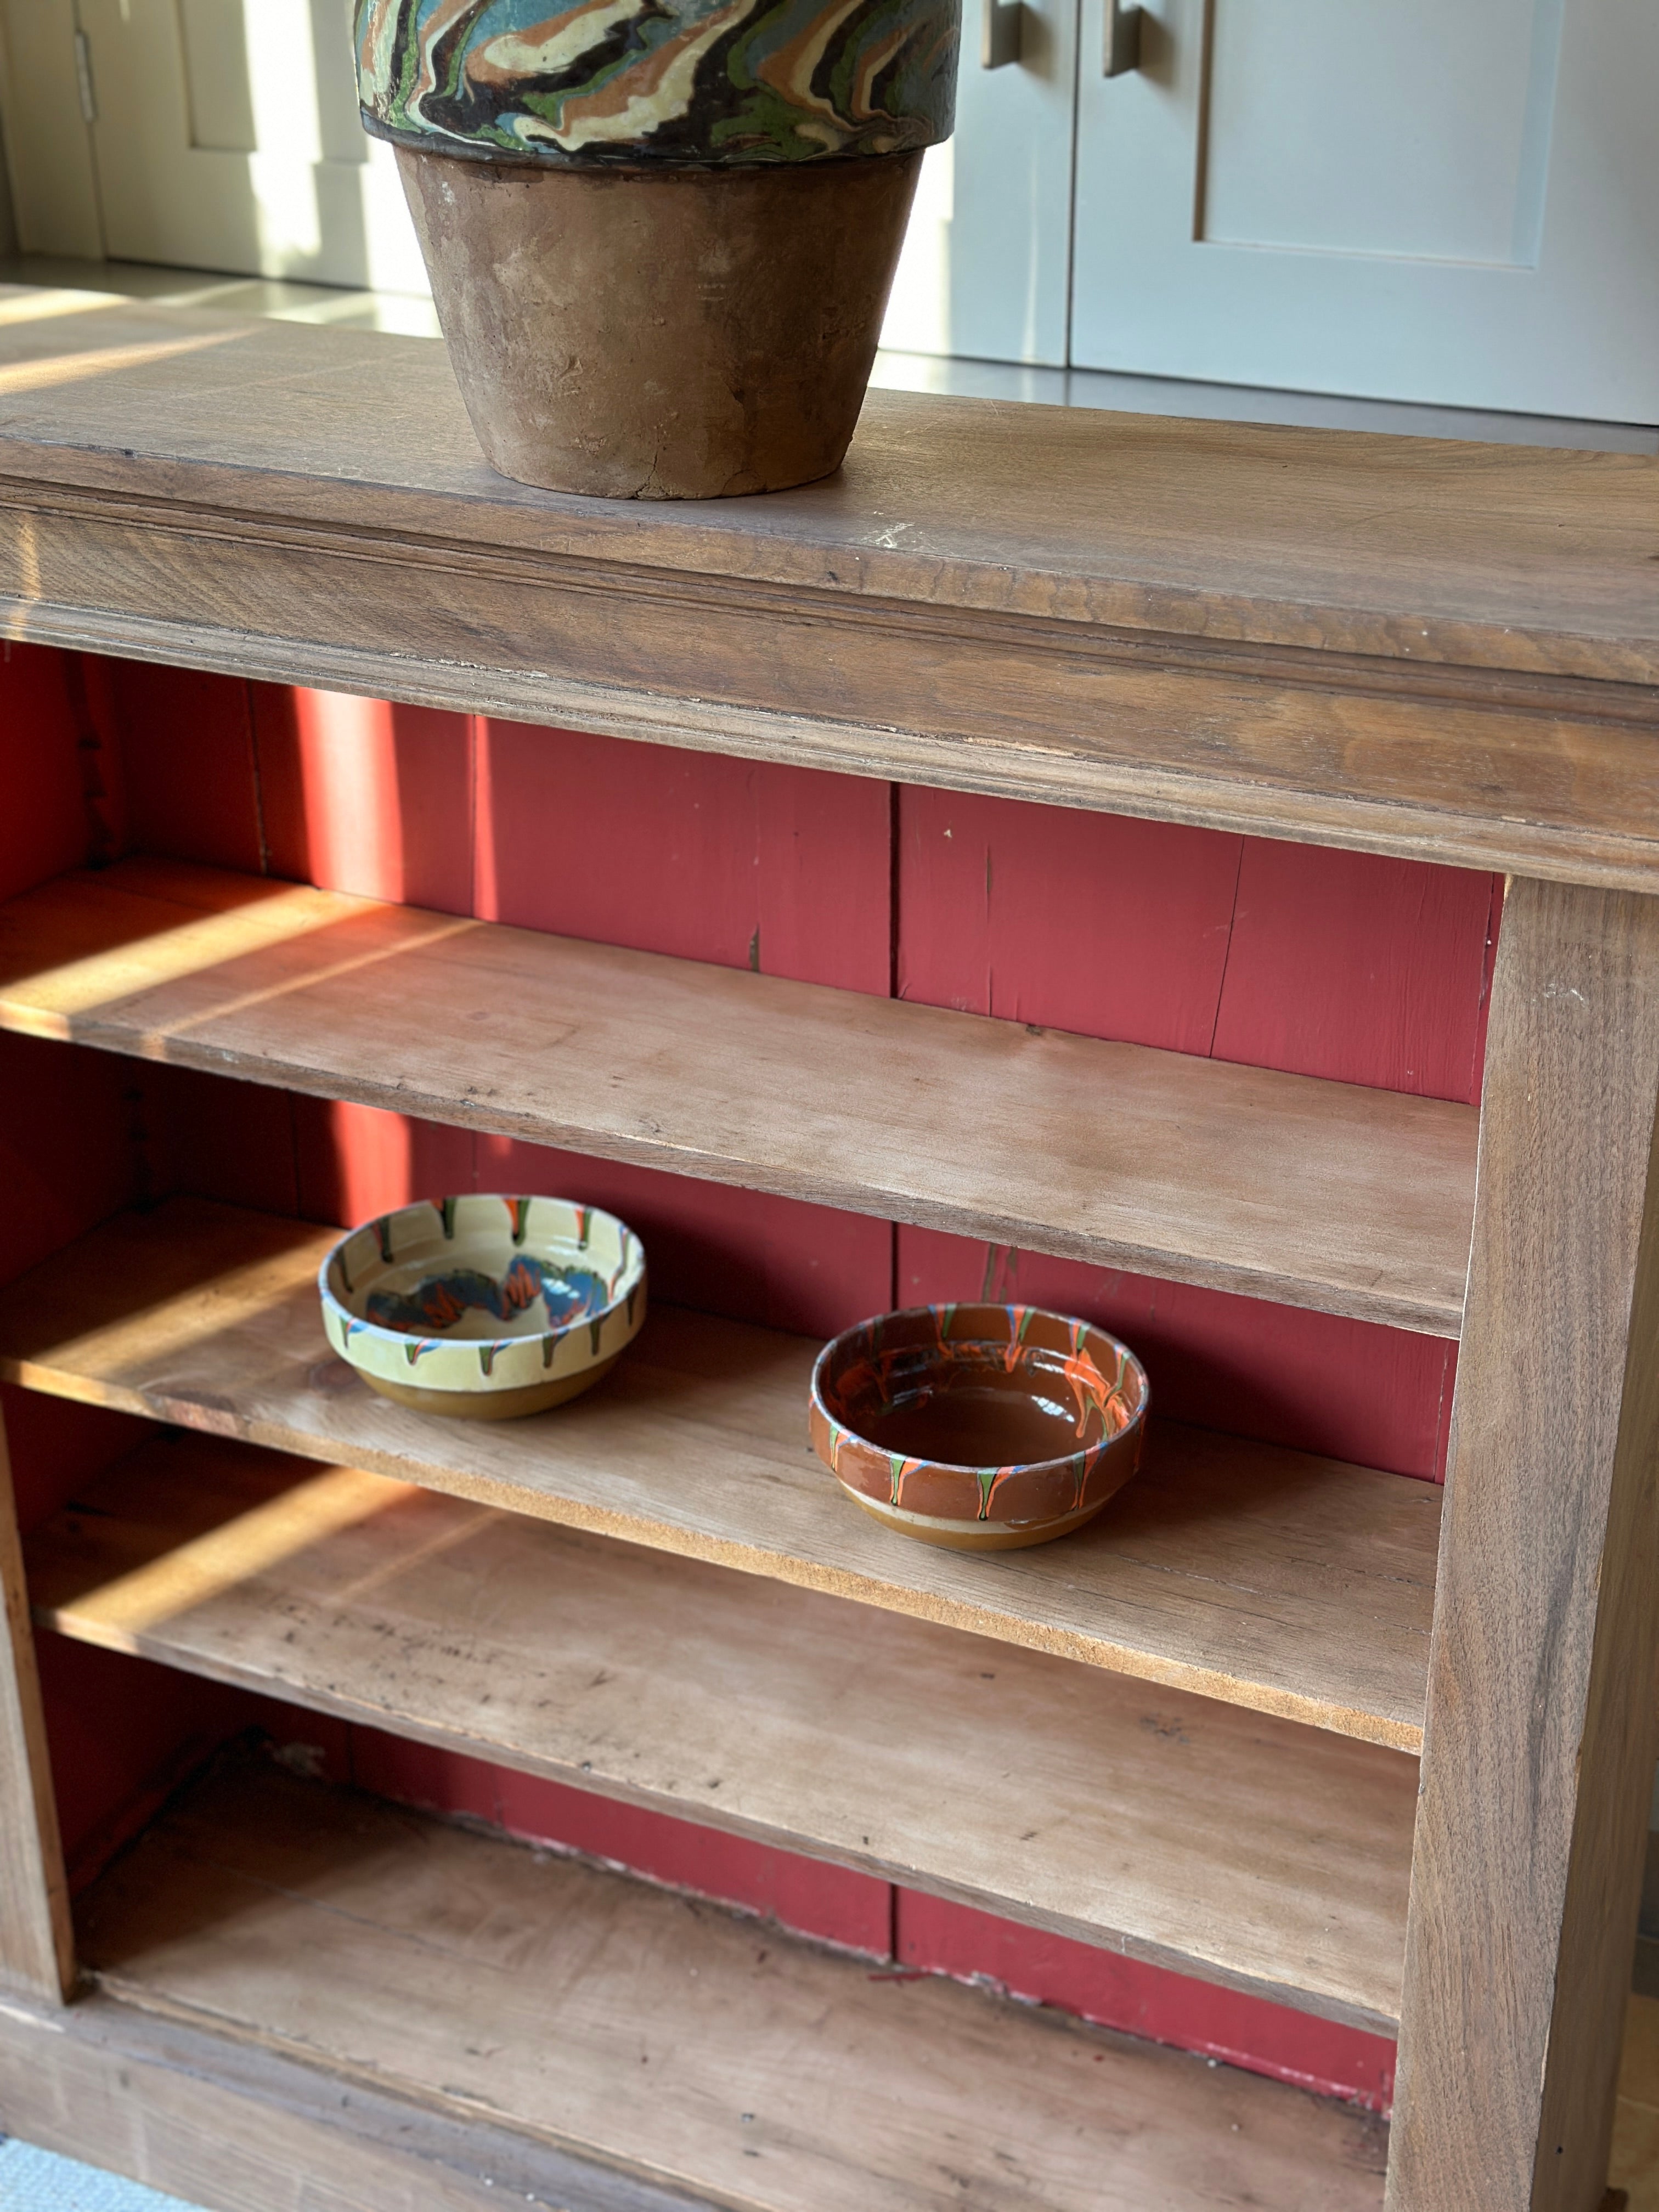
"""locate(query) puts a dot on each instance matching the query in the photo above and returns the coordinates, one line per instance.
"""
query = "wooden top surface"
(1425, 550)
(1322, 1195)
(1196, 1834)
(1293, 1585)
(663, 2035)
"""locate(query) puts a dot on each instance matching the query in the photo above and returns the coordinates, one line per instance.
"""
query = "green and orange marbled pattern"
(865, 1375)
(659, 83)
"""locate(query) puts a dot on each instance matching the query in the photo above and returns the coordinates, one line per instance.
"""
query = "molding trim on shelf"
(1327, 635)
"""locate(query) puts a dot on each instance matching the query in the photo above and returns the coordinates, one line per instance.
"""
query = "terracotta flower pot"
(660, 233)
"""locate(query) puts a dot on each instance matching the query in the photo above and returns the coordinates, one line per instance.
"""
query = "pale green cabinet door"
(987, 261)
(1453, 201)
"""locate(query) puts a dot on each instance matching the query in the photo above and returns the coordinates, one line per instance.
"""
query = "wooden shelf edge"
(1055, 774)
(1111, 1656)
(1160, 1162)
(656, 1681)
(533, 2009)
(214, 2120)
(1126, 611)
(1298, 1587)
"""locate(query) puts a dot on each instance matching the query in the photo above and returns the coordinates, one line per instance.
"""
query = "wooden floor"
(1320, 1194)
(1292, 1585)
(668, 2037)
(1250, 1850)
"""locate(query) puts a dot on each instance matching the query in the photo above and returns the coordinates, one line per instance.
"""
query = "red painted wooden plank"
(354, 1162)
(1359, 968)
(1089, 922)
(362, 796)
(57, 1446)
(64, 1159)
(832, 1903)
(933, 1936)
(43, 803)
(215, 1139)
(749, 864)
(186, 743)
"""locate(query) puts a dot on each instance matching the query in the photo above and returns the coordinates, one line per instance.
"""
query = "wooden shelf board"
(1293, 1585)
(1409, 645)
(1248, 1850)
(1316, 1194)
(669, 2038)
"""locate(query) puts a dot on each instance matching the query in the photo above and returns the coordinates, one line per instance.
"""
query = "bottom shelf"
(482, 1981)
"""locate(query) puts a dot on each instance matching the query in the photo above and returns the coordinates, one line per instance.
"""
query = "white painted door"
(987, 261)
(1455, 201)
(226, 137)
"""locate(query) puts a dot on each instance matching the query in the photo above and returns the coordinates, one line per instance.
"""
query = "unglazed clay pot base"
(494, 1405)
(669, 334)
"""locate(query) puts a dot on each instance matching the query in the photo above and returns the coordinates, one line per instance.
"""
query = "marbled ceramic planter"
(980, 1427)
(660, 233)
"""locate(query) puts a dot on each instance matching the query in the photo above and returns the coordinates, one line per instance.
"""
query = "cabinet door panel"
(985, 269)
(227, 137)
(1408, 201)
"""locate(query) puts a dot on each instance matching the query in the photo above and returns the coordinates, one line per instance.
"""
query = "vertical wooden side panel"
(1540, 1745)
(37, 1944)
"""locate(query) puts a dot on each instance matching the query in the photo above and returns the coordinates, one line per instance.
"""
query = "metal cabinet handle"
(999, 33)
(1122, 38)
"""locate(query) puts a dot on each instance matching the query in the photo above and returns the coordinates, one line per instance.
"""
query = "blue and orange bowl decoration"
(484, 1306)
(980, 1427)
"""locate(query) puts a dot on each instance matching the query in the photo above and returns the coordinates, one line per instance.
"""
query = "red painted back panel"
(1089, 922)
(358, 795)
(937, 1937)
(831, 1902)
(186, 742)
(43, 803)
(1361, 969)
(1380, 1397)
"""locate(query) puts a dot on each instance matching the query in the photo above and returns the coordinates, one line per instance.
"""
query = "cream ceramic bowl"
(484, 1306)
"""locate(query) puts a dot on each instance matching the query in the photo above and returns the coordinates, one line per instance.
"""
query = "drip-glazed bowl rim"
(353, 1330)
(863, 1337)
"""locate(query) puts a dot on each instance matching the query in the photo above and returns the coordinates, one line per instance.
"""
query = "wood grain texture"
(1294, 1585)
(216, 2122)
(1173, 1829)
(666, 2038)
(37, 1943)
(1417, 647)
(1539, 1739)
(1313, 1194)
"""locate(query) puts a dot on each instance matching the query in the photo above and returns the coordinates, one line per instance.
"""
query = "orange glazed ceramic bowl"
(984, 1428)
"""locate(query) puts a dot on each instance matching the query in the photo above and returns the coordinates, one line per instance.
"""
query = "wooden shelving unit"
(1399, 1761)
